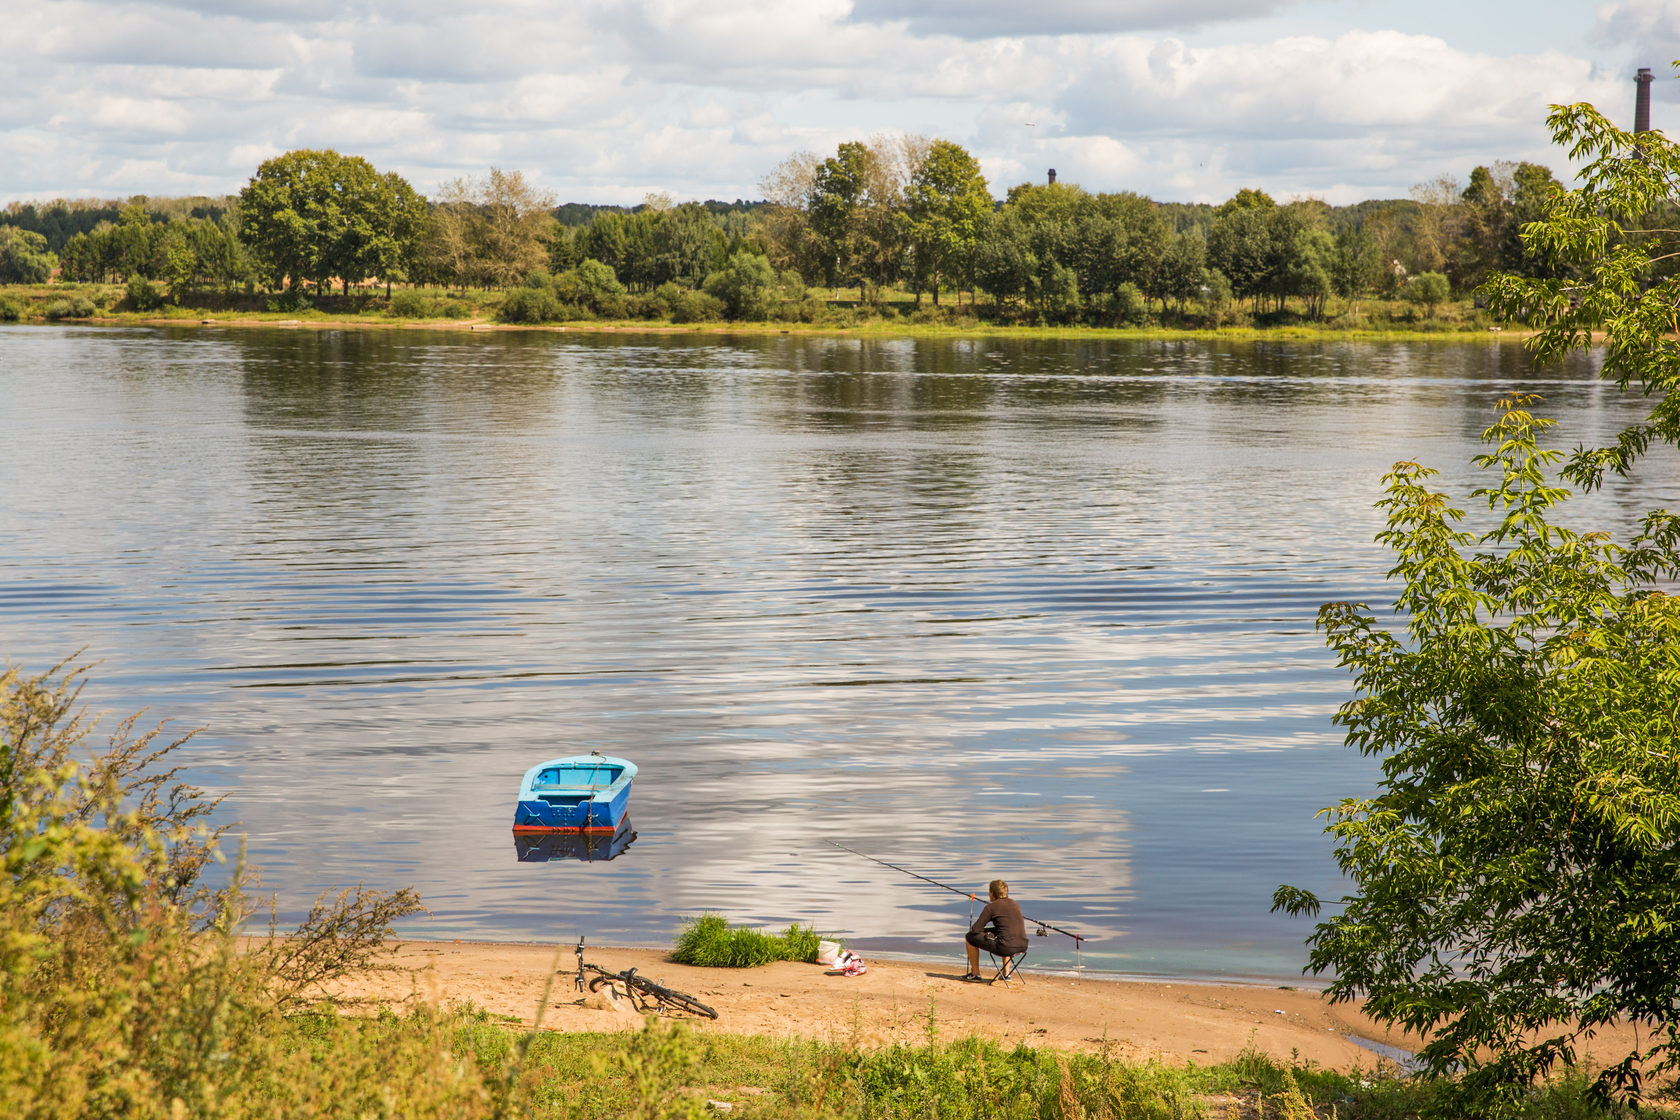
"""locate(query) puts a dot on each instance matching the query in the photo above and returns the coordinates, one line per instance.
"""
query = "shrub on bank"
(709, 942)
(78, 308)
(530, 305)
(414, 305)
(10, 310)
(141, 296)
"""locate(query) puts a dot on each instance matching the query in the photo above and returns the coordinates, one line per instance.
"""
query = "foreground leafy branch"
(1518, 872)
(1611, 277)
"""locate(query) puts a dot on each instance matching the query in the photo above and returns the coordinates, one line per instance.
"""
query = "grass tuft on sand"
(710, 942)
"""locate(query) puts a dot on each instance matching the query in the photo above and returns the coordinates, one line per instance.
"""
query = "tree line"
(906, 214)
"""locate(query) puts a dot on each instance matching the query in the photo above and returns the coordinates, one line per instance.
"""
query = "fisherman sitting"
(1007, 935)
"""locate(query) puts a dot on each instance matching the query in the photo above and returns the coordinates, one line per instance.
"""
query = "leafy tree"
(140, 294)
(792, 241)
(606, 239)
(1248, 198)
(1005, 264)
(1533, 189)
(491, 231)
(175, 261)
(1240, 246)
(60, 220)
(79, 259)
(1056, 294)
(311, 216)
(1517, 869)
(840, 194)
(1433, 224)
(1428, 289)
(1129, 305)
(1216, 296)
(133, 241)
(1102, 241)
(1307, 270)
(23, 257)
(745, 284)
(946, 202)
(1130, 247)
(687, 246)
(1183, 270)
(1356, 265)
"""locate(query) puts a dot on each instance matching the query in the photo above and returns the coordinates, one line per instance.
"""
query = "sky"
(610, 100)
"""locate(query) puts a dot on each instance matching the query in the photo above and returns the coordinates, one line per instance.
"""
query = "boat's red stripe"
(558, 828)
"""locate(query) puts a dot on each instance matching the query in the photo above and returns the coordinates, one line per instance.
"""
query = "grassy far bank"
(891, 314)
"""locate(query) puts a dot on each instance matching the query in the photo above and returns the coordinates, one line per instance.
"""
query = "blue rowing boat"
(583, 793)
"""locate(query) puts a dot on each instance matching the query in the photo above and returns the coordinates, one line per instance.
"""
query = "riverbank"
(1171, 1021)
(877, 329)
(435, 309)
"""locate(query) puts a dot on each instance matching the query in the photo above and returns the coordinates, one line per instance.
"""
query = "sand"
(1174, 1021)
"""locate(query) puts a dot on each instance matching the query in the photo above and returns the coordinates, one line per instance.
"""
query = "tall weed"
(123, 991)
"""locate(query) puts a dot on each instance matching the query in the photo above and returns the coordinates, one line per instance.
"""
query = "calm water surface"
(1029, 609)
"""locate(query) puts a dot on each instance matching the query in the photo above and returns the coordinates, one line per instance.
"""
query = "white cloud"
(1640, 22)
(975, 19)
(603, 100)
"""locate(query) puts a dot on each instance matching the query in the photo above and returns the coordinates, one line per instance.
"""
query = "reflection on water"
(988, 608)
(589, 847)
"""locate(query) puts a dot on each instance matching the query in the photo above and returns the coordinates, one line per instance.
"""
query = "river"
(1038, 610)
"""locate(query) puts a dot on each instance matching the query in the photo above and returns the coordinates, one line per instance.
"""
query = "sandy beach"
(1174, 1021)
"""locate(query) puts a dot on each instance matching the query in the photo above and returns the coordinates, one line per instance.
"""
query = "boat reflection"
(589, 847)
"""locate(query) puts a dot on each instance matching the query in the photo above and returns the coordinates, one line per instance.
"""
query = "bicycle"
(643, 994)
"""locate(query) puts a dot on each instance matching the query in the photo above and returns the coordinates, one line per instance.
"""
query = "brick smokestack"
(1642, 101)
(1053, 170)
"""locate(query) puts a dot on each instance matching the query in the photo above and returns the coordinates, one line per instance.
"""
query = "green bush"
(745, 284)
(289, 301)
(413, 305)
(1428, 289)
(708, 941)
(812, 309)
(79, 308)
(665, 297)
(141, 296)
(530, 305)
(610, 305)
(593, 285)
(697, 307)
(1129, 306)
(10, 310)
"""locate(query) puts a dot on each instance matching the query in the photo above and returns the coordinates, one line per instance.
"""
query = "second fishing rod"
(1078, 938)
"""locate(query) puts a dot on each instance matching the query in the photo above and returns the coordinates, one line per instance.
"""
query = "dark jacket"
(1004, 915)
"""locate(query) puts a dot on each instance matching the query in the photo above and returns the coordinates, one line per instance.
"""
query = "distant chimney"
(1641, 103)
(1053, 170)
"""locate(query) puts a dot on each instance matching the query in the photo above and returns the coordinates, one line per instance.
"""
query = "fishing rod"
(1078, 938)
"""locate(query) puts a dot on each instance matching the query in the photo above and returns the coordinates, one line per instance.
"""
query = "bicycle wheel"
(675, 1000)
(596, 983)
